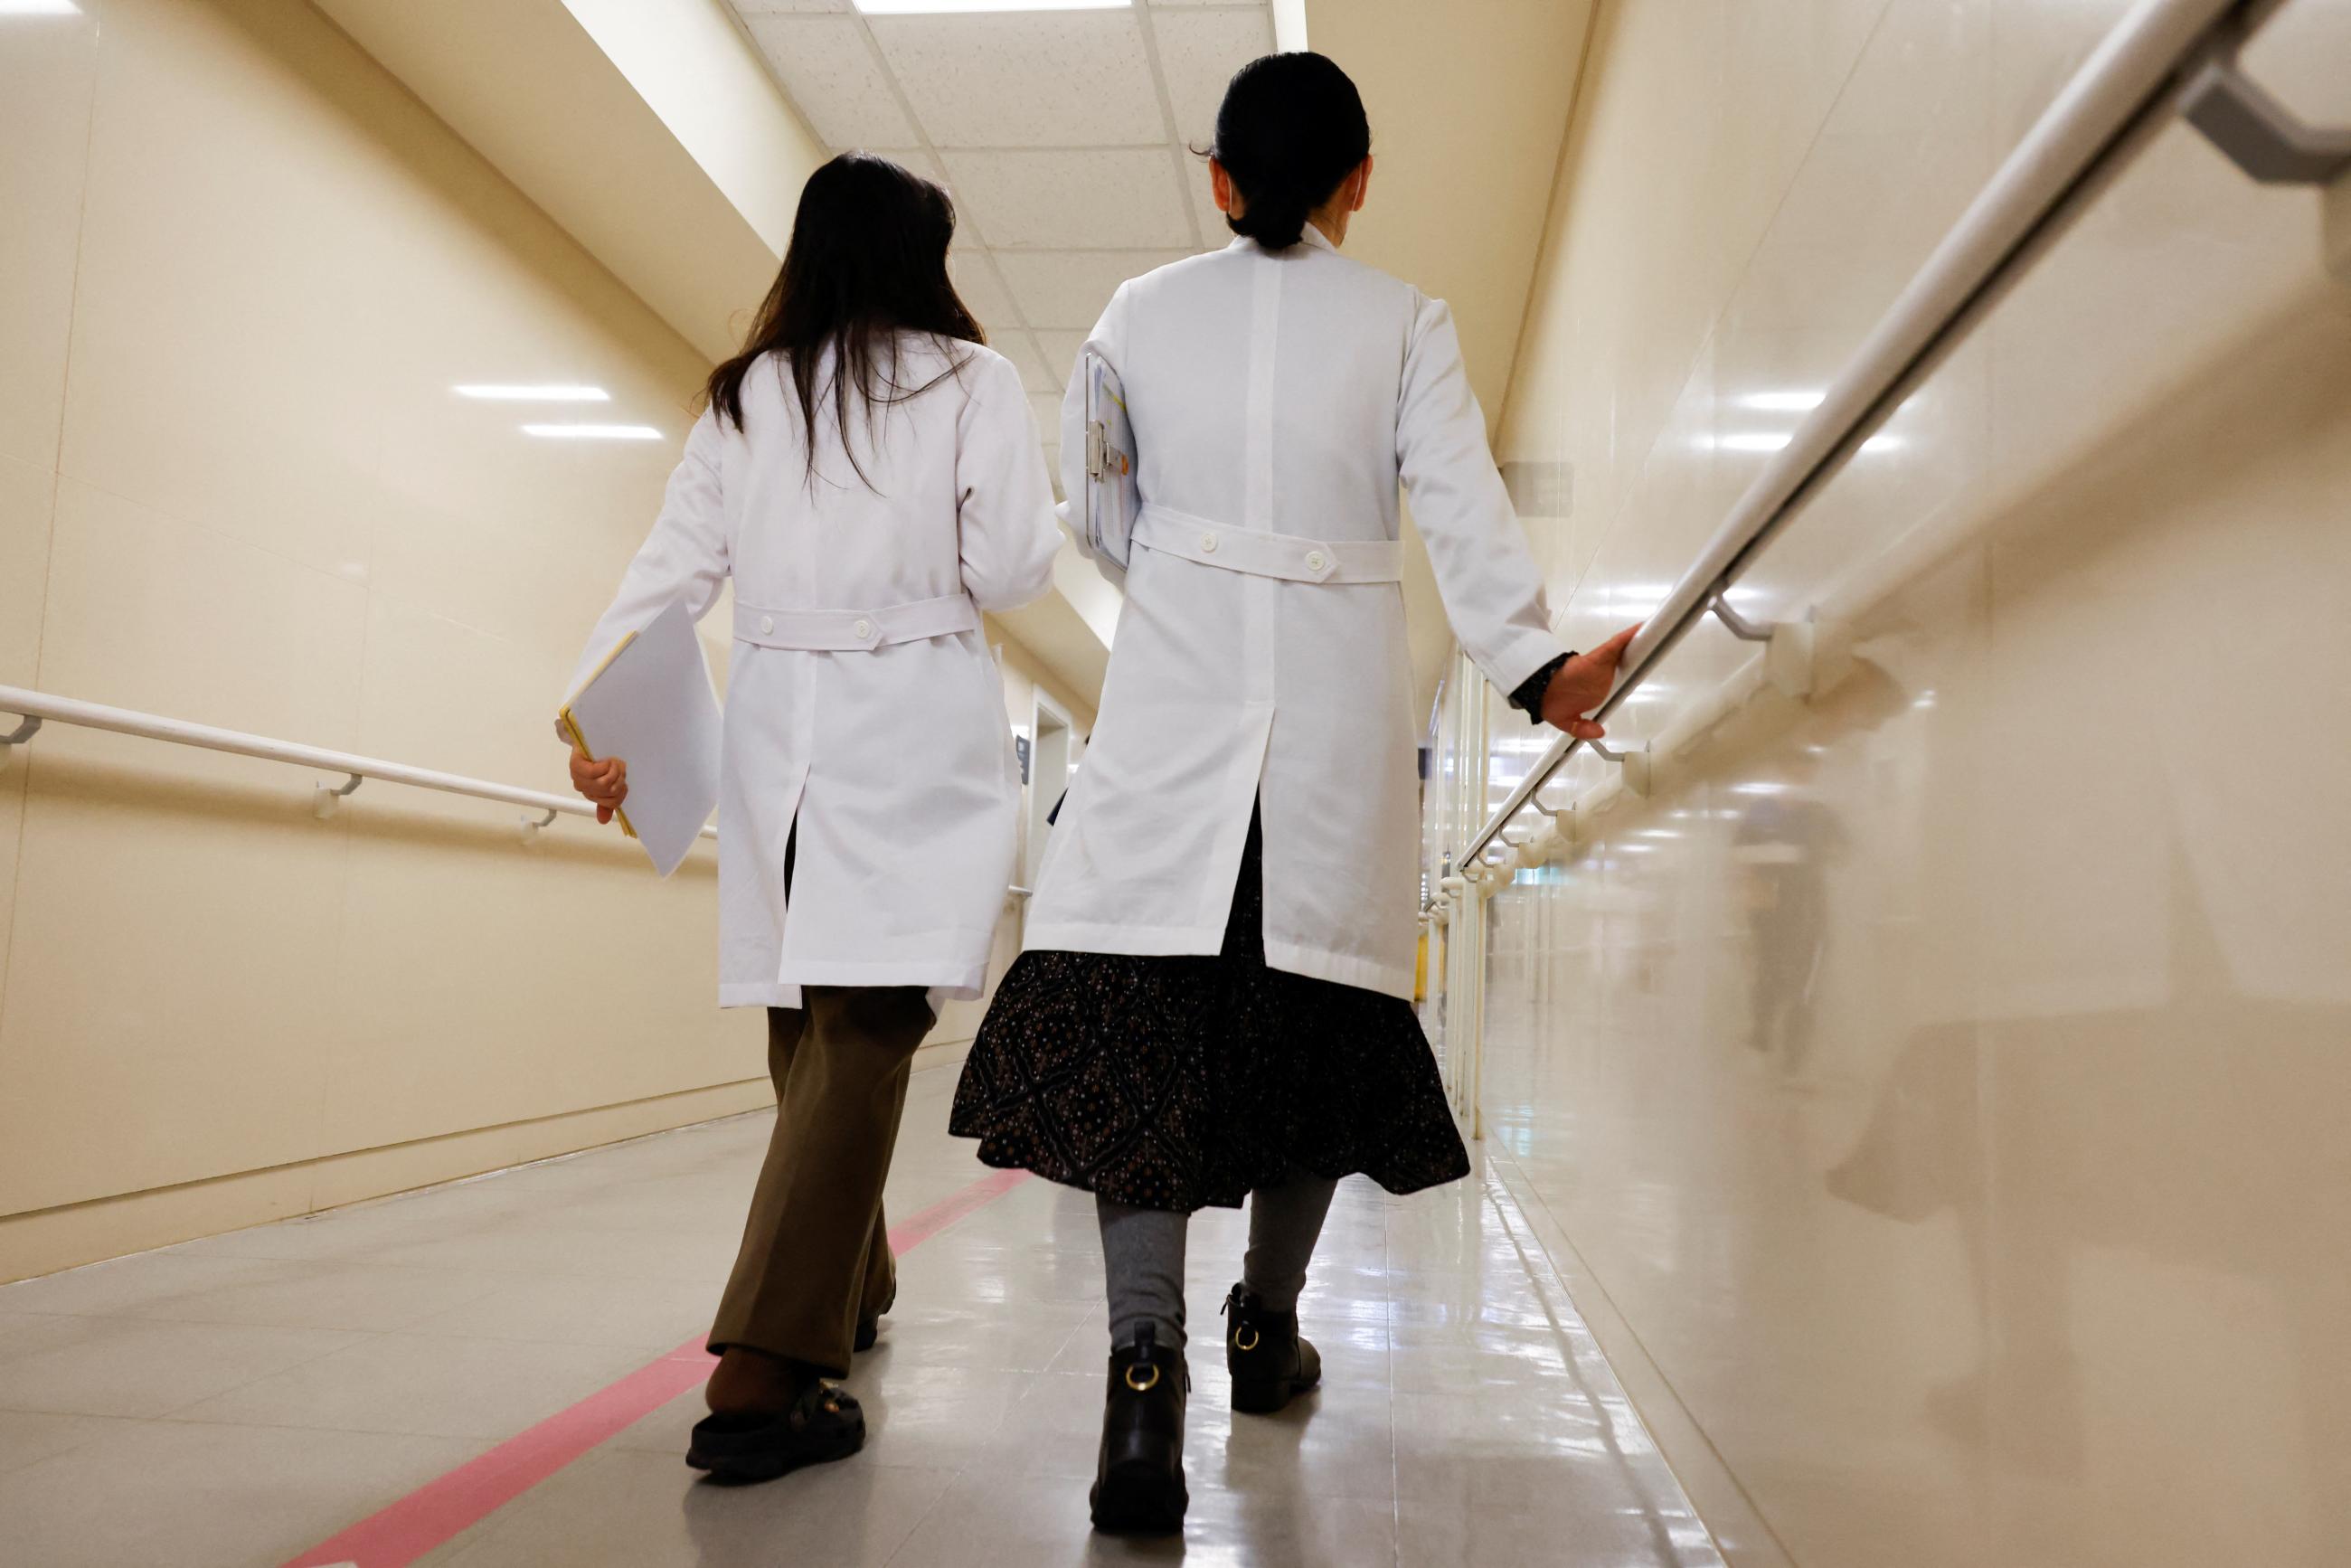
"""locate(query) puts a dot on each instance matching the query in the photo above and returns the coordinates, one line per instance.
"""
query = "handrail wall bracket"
(16, 737)
(1566, 826)
(1640, 775)
(1788, 647)
(324, 800)
(2258, 133)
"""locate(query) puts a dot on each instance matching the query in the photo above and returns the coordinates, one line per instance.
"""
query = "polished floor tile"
(347, 1359)
(630, 1507)
(121, 1366)
(197, 1496)
(28, 1436)
(429, 1384)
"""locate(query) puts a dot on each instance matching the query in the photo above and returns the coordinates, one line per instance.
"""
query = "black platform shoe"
(1139, 1480)
(1271, 1364)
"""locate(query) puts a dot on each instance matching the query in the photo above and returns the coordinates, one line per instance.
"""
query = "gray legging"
(1143, 1255)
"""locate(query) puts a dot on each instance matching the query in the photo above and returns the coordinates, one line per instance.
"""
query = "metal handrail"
(2130, 86)
(36, 709)
(41, 706)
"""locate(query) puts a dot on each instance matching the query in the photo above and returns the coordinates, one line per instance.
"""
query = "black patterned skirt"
(1182, 1082)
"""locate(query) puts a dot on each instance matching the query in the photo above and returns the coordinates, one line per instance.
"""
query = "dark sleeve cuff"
(1529, 697)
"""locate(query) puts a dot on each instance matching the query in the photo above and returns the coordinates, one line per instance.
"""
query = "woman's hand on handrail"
(606, 783)
(1582, 685)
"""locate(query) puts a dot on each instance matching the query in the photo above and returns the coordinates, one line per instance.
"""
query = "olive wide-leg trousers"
(816, 1250)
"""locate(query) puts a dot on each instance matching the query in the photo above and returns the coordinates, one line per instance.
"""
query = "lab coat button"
(1315, 561)
(1208, 544)
(767, 625)
(863, 629)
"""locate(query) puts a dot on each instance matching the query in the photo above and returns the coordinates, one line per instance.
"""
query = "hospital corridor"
(1274, 783)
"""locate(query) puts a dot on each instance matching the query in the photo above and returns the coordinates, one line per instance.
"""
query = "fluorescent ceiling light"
(594, 432)
(39, 8)
(960, 7)
(557, 392)
(1760, 788)
(1783, 402)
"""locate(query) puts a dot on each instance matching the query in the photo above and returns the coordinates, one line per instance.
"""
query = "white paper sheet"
(651, 706)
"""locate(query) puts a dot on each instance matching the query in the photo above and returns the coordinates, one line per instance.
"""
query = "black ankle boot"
(1139, 1481)
(1271, 1364)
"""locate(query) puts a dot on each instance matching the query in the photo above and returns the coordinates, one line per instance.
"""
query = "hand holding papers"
(650, 705)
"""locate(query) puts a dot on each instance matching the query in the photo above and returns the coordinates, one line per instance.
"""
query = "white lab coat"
(1279, 392)
(893, 757)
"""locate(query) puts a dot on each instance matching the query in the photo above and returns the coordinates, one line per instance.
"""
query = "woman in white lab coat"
(870, 478)
(1216, 1000)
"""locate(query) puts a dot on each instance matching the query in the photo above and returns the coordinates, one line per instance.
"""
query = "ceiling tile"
(1047, 407)
(921, 160)
(830, 73)
(1062, 352)
(749, 9)
(1105, 199)
(1069, 287)
(1030, 79)
(1021, 350)
(1199, 51)
(976, 282)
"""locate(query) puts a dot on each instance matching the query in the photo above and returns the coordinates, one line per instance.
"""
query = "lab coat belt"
(1259, 554)
(851, 631)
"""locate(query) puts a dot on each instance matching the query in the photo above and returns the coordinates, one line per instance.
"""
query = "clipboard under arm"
(1112, 499)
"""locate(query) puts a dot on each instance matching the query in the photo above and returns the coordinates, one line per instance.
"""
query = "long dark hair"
(868, 261)
(1291, 127)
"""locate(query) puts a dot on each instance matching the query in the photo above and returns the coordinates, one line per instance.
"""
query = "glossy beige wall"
(1943, 1081)
(241, 269)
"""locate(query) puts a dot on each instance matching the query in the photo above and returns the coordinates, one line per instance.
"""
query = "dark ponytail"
(1291, 128)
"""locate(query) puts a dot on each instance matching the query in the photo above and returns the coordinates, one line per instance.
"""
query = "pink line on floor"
(438, 1510)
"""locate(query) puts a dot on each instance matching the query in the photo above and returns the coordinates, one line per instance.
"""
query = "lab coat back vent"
(1282, 393)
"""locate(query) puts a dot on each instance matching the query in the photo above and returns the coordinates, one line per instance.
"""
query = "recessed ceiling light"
(959, 8)
(594, 432)
(1794, 401)
(39, 8)
(557, 392)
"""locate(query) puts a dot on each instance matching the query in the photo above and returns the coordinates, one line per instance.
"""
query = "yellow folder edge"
(580, 739)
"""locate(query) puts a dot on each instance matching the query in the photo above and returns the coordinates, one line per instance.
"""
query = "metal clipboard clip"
(1112, 500)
